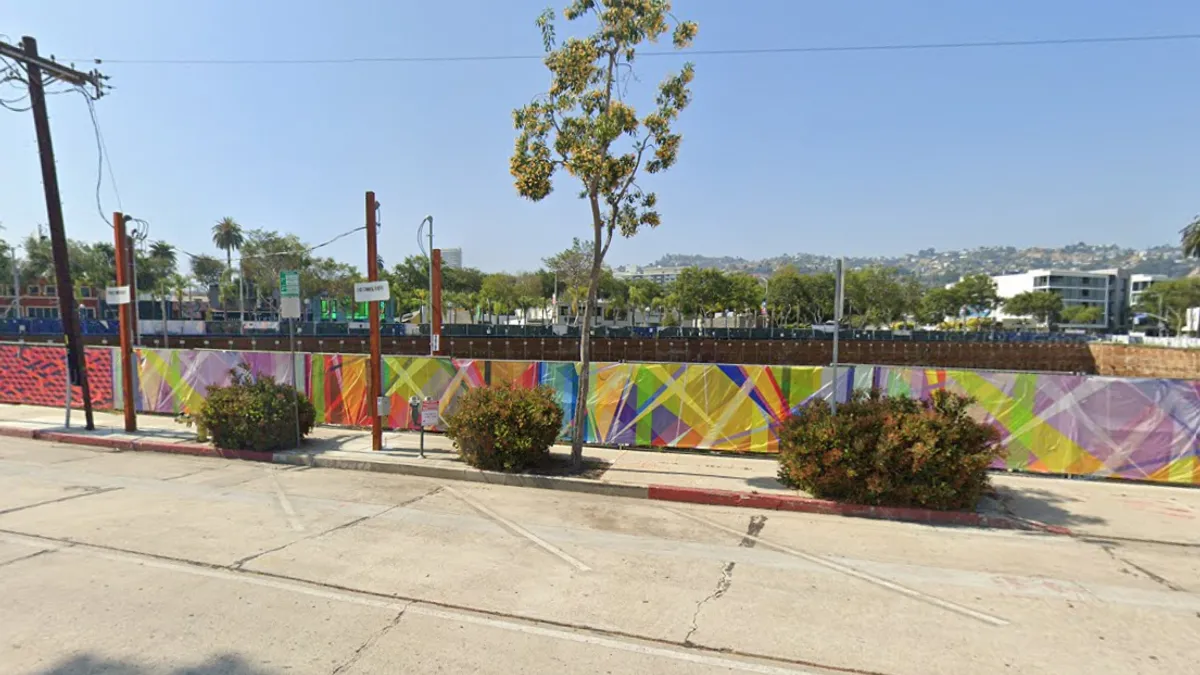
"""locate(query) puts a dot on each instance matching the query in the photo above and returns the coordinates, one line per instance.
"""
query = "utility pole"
(373, 313)
(34, 65)
(124, 323)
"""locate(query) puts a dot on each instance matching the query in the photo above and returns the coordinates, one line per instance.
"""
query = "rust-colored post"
(373, 313)
(435, 319)
(124, 324)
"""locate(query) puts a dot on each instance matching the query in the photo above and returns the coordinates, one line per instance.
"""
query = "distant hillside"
(943, 266)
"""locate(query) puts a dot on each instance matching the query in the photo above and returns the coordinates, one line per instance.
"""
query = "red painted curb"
(758, 500)
(83, 439)
(16, 433)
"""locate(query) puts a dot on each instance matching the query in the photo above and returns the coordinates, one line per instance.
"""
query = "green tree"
(938, 304)
(1082, 314)
(644, 295)
(573, 267)
(1043, 306)
(876, 296)
(227, 235)
(1171, 299)
(585, 126)
(1191, 239)
(207, 270)
(744, 293)
(499, 294)
(977, 292)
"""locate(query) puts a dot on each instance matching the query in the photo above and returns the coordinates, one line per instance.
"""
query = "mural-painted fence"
(1142, 429)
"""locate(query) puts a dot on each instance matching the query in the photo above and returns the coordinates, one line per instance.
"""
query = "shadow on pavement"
(226, 664)
(1043, 506)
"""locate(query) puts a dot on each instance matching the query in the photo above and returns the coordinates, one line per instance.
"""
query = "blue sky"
(835, 153)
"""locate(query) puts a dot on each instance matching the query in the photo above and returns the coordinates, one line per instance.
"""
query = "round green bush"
(505, 428)
(256, 413)
(890, 451)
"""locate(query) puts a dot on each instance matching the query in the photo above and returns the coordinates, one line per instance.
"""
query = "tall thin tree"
(585, 125)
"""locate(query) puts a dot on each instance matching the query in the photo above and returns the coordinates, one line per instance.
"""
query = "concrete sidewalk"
(1113, 510)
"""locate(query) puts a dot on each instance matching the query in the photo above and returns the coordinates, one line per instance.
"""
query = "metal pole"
(76, 360)
(429, 219)
(295, 391)
(16, 283)
(838, 302)
(373, 315)
(166, 340)
(133, 291)
(242, 294)
(67, 423)
(123, 326)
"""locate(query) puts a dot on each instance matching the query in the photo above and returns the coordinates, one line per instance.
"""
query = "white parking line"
(850, 571)
(517, 529)
(285, 503)
(582, 636)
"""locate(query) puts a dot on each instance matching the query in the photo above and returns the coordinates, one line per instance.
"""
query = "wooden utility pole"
(373, 313)
(34, 68)
(435, 314)
(125, 324)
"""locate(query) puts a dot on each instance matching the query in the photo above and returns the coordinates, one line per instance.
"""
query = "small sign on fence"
(371, 291)
(429, 414)
(117, 295)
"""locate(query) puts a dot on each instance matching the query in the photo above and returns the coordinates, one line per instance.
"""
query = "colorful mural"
(1144, 429)
(1063, 424)
(38, 376)
(173, 381)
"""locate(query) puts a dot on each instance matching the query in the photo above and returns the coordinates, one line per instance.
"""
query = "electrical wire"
(102, 159)
(308, 250)
(750, 51)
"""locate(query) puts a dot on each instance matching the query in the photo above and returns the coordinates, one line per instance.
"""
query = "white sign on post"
(117, 295)
(429, 413)
(435, 342)
(289, 307)
(371, 291)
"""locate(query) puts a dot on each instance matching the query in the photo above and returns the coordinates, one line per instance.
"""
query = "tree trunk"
(579, 424)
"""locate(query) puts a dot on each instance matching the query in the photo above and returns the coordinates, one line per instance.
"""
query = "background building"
(1108, 290)
(452, 258)
(1138, 283)
(659, 275)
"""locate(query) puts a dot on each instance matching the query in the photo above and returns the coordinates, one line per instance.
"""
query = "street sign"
(289, 284)
(371, 291)
(289, 307)
(435, 342)
(429, 413)
(118, 295)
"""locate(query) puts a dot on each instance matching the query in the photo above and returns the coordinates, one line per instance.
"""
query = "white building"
(1107, 290)
(659, 275)
(452, 258)
(1138, 283)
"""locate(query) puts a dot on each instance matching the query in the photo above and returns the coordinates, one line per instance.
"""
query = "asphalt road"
(136, 563)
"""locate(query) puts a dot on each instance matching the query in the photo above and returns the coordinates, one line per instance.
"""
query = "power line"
(304, 251)
(751, 51)
(102, 159)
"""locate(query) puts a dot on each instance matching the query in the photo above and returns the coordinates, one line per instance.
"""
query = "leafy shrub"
(256, 413)
(894, 451)
(505, 428)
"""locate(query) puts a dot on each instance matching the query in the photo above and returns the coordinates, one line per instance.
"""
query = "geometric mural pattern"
(1144, 429)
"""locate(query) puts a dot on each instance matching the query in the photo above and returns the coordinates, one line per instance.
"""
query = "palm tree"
(1191, 239)
(161, 250)
(227, 236)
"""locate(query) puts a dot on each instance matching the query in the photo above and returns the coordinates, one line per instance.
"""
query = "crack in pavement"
(370, 641)
(88, 491)
(1156, 578)
(27, 557)
(565, 630)
(237, 564)
(753, 529)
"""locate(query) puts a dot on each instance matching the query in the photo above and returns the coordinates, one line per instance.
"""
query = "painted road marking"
(850, 571)
(581, 636)
(517, 529)
(285, 504)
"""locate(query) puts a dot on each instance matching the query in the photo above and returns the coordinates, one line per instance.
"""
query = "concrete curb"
(758, 500)
(670, 493)
(134, 444)
(466, 473)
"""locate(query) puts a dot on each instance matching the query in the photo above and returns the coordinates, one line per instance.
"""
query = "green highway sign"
(289, 284)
